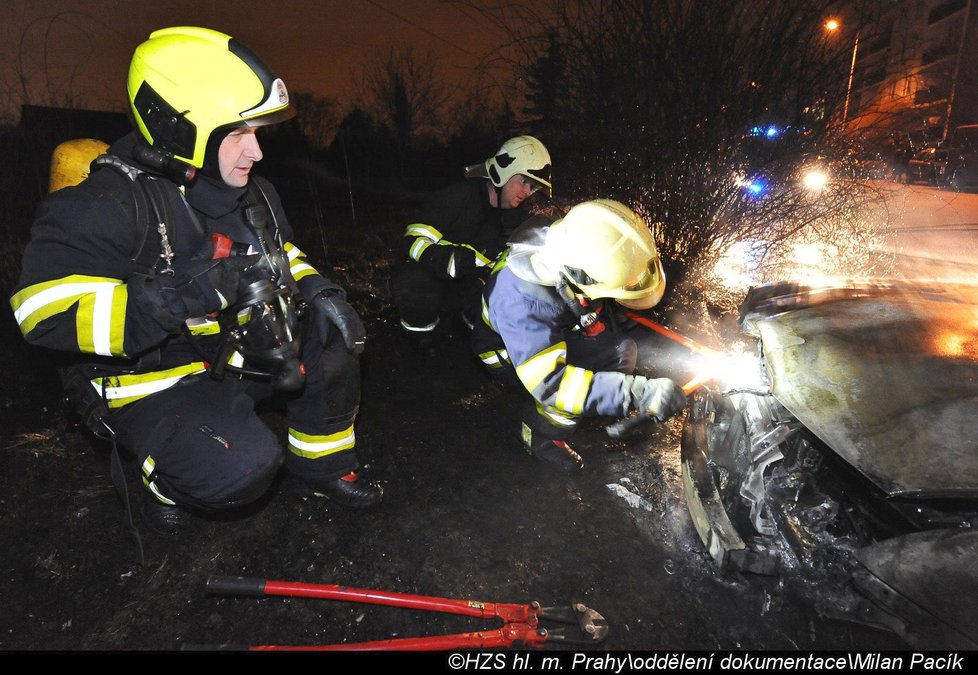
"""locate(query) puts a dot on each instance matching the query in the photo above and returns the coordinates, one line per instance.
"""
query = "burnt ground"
(466, 515)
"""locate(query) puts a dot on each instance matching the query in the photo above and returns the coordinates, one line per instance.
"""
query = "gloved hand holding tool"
(467, 262)
(659, 399)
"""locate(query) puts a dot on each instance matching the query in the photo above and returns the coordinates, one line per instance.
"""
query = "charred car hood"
(886, 376)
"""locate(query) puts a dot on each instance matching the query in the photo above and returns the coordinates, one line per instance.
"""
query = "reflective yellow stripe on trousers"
(312, 446)
(120, 390)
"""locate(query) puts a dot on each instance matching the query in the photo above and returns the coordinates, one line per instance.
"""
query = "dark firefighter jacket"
(457, 232)
(83, 289)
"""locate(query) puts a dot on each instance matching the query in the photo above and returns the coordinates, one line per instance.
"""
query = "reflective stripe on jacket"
(530, 323)
(455, 218)
(83, 290)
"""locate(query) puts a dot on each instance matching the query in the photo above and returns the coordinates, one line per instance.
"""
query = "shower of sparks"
(730, 370)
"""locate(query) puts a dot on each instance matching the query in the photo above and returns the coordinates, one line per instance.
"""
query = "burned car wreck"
(853, 464)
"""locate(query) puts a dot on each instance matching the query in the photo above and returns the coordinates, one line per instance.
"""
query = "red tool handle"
(509, 636)
(521, 620)
(484, 610)
(692, 345)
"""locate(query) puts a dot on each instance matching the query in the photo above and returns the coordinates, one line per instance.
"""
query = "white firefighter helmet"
(605, 250)
(523, 155)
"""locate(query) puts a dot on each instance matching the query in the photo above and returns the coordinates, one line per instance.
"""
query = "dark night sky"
(80, 49)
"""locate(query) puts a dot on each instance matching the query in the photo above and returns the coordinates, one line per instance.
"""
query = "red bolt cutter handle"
(508, 636)
(521, 622)
(483, 610)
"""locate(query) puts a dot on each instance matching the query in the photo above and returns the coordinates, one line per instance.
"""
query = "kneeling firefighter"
(457, 233)
(546, 308)
(170, 276)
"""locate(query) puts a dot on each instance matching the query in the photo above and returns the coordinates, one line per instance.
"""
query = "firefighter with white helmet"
(541, 324)
(170, 277)
(458, 232)
(519, 156)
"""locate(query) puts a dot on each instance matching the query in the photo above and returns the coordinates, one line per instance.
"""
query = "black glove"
(465, 263)
(207, 285)
(617, 315)
(661, 398)
(332, 309)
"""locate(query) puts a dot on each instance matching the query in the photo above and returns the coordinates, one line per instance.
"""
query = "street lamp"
(831, 26)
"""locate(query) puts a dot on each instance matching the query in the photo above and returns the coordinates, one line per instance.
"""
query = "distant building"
(915, 70)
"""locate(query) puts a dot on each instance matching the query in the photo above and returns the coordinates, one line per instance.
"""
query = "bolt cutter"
(523, 625)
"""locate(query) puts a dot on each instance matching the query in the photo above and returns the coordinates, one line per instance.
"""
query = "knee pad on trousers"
(256, 487)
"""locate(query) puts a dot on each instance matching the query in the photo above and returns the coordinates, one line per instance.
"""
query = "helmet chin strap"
(497, 191)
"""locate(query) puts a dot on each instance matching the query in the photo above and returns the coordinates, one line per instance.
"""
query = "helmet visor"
(540, 178)
(647, 290)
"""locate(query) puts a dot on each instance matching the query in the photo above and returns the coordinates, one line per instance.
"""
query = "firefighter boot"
(351, 491)
(162, 518)
(555, 453)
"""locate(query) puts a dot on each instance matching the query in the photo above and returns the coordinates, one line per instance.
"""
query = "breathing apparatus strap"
(257, 214)
(117, 472)
(272, 245)
(152, 211)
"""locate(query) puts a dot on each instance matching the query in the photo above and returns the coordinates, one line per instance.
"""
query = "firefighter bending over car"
(171, 276)
(545, 324)
(458, 232)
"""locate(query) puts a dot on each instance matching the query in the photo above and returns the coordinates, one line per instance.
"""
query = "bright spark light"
(816, 255)
(738, 266)
(956, 342)
(729, 370)
(754, 187)
(737, 371)
(814, 179)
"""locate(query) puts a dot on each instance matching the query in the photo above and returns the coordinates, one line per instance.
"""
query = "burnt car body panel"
(889, 383)
(923, 577)
(855, 467)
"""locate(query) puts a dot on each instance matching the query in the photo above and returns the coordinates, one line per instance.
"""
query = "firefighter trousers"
(201, 444)
(421, 298)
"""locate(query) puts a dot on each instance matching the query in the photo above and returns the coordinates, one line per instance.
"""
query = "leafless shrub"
(404, 91)
(653, 102)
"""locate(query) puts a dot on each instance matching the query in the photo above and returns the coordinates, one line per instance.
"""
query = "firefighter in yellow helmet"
(542, 324)
(453, 238)
(170, 276)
